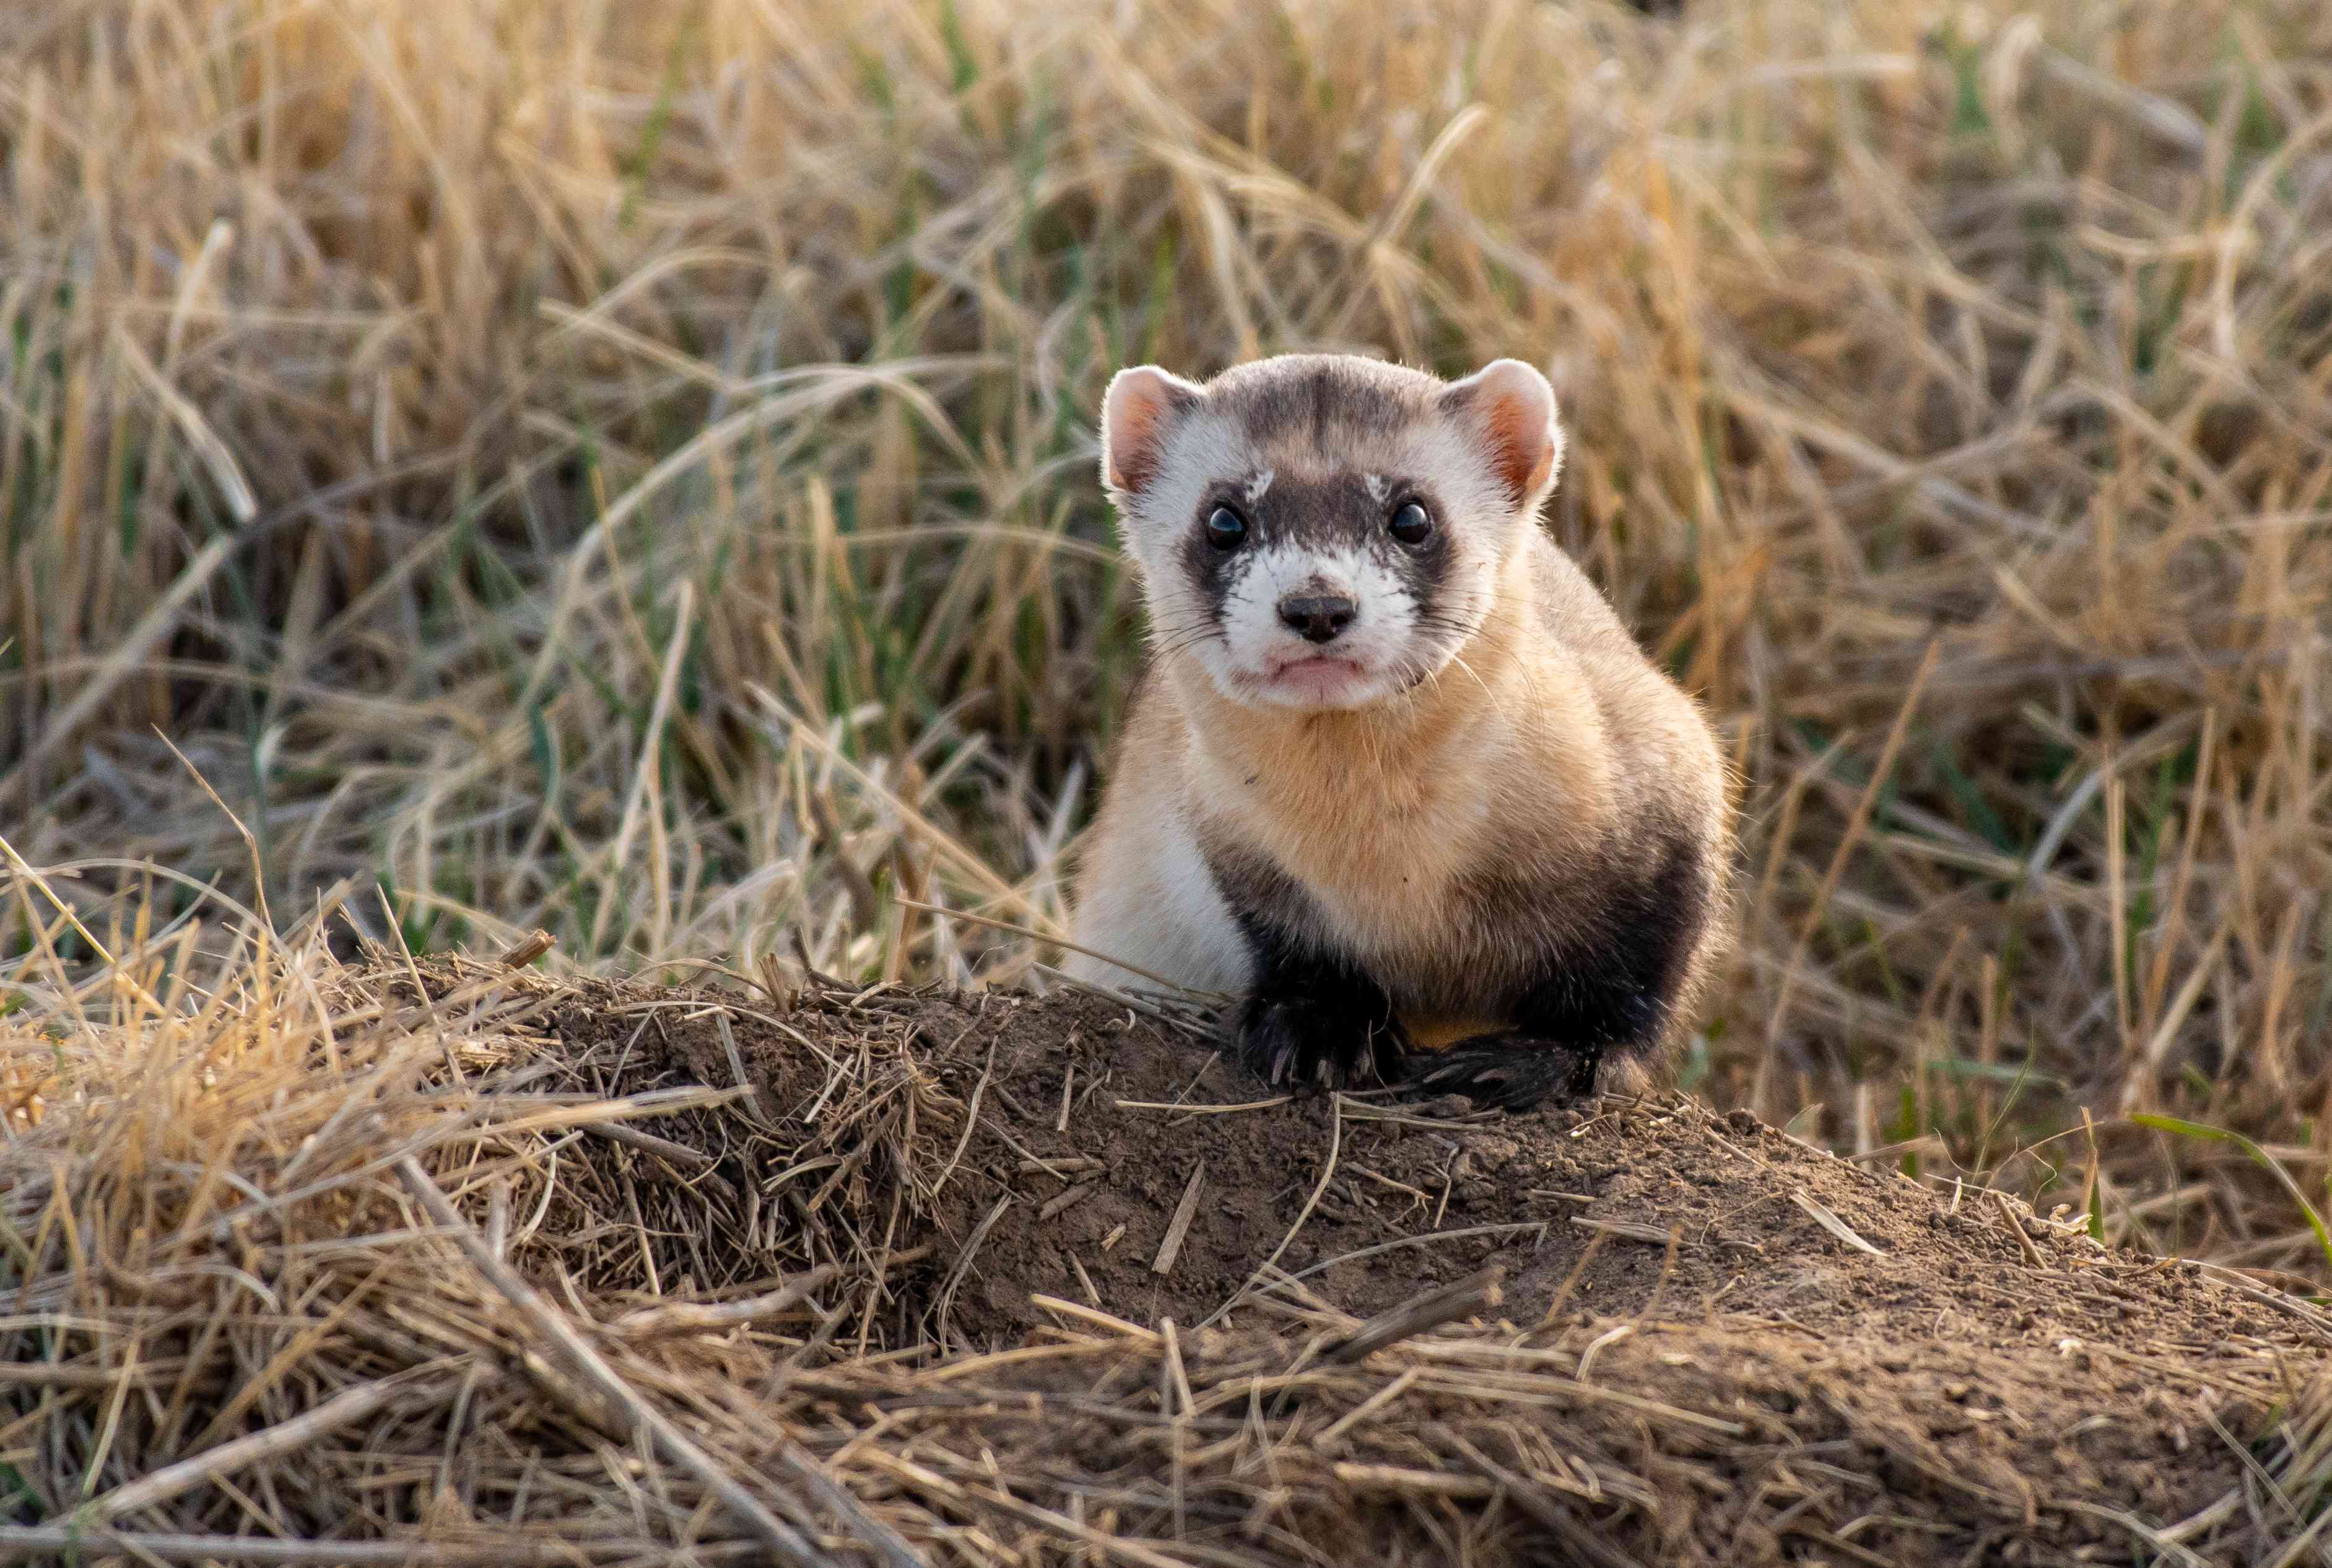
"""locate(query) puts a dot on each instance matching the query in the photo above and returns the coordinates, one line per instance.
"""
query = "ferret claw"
(1293, 1043)
(1510, 1072)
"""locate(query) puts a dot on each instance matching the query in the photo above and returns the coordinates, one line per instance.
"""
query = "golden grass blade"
(786, 1543)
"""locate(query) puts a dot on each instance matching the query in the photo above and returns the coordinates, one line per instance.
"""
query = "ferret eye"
(1412, 524)
(1226, 529)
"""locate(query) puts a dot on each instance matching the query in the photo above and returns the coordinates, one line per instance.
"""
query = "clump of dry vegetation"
(627, 471)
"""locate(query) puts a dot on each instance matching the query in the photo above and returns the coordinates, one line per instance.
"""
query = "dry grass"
(323, 1264)
(627, 471)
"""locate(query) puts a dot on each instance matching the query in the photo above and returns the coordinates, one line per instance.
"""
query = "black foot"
(1509, 1072)
(1288, 1042)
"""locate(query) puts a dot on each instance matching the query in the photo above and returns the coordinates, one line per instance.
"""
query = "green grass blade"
(2259, 1156)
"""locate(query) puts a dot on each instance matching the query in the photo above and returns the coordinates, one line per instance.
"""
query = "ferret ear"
(1139, 407)
(1510, 406)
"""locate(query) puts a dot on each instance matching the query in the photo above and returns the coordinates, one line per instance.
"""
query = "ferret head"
(1324, 530)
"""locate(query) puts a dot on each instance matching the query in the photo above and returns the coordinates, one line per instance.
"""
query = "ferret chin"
(1396, 775)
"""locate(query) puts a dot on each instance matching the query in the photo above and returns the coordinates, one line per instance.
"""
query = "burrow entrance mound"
(1046, 1281)
(1960, 1375)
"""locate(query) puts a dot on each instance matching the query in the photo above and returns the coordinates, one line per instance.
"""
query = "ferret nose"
(1317, 617)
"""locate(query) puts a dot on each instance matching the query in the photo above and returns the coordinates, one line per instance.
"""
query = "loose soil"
(1825, 1362)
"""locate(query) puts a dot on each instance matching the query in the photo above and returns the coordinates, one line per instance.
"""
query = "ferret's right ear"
(1139, 409)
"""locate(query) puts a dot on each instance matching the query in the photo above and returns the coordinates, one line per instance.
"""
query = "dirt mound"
(1955, 1351)
(906, 1276)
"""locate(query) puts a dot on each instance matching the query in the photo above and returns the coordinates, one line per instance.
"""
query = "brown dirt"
(1970, 1383)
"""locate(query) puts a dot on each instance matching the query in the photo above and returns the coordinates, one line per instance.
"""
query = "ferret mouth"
(1314, 680)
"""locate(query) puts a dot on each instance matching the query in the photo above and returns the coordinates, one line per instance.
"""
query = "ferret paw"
(1292, 1044)
(1508, 1072)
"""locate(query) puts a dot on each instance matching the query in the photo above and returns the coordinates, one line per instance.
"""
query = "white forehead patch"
(1378, 488)
(1257, 487)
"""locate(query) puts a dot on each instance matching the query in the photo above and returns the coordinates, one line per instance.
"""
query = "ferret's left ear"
(1510, 406)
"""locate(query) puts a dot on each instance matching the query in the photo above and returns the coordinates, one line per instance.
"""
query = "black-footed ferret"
(1396, 774)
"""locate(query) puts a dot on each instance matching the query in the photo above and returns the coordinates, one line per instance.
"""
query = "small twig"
(1176, 1403)
(1840, 1228)
(1093, 1296)
(2015, 1227)
(1180, 1226)
(1176, 1377)
(692, 1317)
(788, 1545)
(498, 1216)
(679, 1155)
(1427, 1239)
(1062, 1202)
(971, 1108)
(1093, 1317)
(1571, 1281)
(1335, 1430)
(1063, 1165)
(250, 841)
(527, 952)
(1204, 1110)
(737, 1066)
(344, 1409)
(1633, 1230)
(1423, 1314)
(1101, 1543)
(1420, 1483)
(1595, 1346)
(817, 976)
(963, 1263)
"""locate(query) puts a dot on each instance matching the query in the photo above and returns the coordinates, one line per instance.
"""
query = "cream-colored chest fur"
(1379, 843)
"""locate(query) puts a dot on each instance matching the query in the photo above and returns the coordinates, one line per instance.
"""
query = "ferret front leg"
(1315, 1019)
